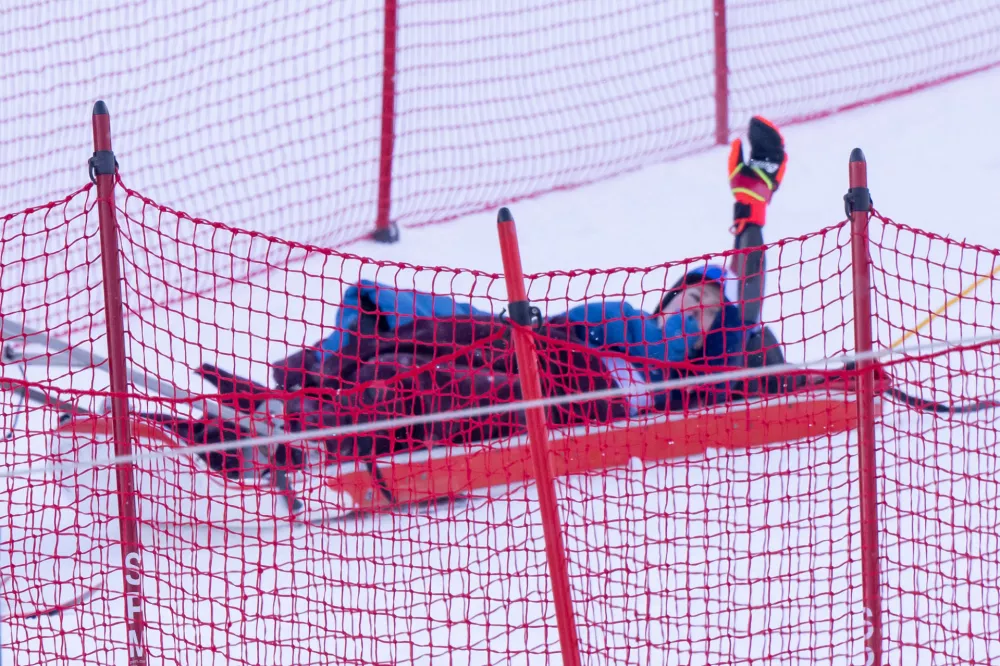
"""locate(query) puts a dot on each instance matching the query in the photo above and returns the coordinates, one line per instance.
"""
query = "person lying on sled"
(396, 353)
(709, 319)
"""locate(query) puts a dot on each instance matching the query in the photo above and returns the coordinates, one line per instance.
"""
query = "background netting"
(267, 115)
(732, 555)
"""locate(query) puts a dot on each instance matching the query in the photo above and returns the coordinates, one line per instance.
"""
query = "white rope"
(503, 408)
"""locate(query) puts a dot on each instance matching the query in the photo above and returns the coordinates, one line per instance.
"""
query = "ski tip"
(504, 215)
(59, 608)
(100, 108)
(857, 155)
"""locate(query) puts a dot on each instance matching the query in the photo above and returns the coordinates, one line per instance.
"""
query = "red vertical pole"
(386, 231)
(721, 74)
(531, 389)
(859, 207)
(102, 171)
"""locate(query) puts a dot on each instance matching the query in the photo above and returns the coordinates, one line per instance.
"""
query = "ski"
(60, 607)
(72, 599)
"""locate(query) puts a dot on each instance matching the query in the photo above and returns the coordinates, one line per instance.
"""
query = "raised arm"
(753, 184)
(749, 270)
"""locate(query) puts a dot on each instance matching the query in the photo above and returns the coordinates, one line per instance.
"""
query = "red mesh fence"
(267, 115)
(695, 533)
(57, 546)
(939, 469)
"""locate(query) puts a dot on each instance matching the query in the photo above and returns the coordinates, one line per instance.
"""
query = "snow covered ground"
(932, 158)
(734, 558)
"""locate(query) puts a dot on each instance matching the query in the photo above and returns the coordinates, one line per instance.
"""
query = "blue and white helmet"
(708, 273)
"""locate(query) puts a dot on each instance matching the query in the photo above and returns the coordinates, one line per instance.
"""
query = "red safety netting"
(720, 526)
(268, 115)
(939, 464)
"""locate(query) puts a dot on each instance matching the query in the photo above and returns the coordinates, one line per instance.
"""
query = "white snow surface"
(735, 557)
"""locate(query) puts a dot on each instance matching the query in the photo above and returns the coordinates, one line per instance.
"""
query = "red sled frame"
(442, 472)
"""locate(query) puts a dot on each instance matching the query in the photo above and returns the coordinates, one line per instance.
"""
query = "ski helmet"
(711, 273)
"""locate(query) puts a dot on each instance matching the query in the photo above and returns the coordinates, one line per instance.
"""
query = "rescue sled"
(186, 490)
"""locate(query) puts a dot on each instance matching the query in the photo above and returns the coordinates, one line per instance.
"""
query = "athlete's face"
(703, 301)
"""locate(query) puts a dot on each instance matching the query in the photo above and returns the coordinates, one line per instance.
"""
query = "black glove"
(754, 182)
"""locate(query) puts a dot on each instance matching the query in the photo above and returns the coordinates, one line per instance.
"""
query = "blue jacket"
(609, 324)
(398, 307)
(619, 325)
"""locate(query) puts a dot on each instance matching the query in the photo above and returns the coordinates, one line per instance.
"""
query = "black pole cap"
(504, 215)
(100, 108)
(857, 155)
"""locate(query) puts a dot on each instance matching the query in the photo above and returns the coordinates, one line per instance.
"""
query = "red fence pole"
(386, 231)
(531, 389)
(721, 74)
(102, 172)
(859, 208)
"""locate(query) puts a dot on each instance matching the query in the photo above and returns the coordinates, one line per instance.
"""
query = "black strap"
(925, 405)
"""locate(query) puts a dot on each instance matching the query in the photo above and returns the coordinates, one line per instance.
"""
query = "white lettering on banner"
(134, 605)
(132, 561)
(135, 650)
(869, 632)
